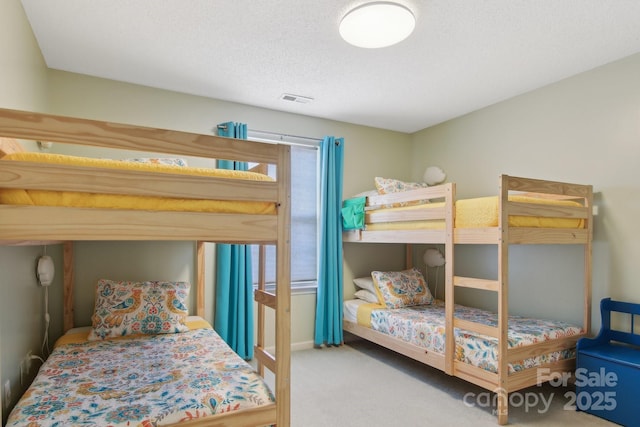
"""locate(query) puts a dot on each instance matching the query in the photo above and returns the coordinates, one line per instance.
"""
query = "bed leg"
(502, 398)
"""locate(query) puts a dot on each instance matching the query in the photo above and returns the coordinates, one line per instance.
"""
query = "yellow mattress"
(114, 201)
(81, 335)
(483, 212)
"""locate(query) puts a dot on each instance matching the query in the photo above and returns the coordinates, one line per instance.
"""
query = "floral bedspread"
(424, 326)
(140, 381)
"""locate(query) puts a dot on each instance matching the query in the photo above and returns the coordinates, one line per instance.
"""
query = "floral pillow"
(399, 289)
(389, 186)
(133, 308)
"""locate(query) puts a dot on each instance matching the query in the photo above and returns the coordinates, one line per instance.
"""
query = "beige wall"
(23, 80)
(21, 309)
(584, 129)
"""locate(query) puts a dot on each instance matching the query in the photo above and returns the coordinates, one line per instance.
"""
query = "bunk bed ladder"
(500, 286)
(450, 341)
(280, 302)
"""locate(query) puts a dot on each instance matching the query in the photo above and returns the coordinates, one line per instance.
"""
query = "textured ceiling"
(463, 55)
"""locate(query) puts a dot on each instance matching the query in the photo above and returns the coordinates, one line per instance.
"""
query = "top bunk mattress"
(118, 201)
(481, 212)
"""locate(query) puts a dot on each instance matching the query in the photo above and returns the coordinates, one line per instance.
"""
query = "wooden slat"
(422, 214)
(478, 376)
(266, 298)
(579, 199)
(547, 211)
(490, 331)
(522, 235)
(503, 297)
(261, 312)
(352, 236)
(265, 358)
(472, 282)
(32, 175)
(529, 377)
(420, 354)
(588, 260)
(449, 305)
(408, 257)
(479, 236)
(200, 285)
(30, 242)
(48, 127)
(283, 289)
(533, 350)
(67, 283)
(548, 236)
(543, 186)
(58, 223)
(396, 236)
(260, 416)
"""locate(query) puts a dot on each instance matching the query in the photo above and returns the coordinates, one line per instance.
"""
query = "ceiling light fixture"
(377, 24)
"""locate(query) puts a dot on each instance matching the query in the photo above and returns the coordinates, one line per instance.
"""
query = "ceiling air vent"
(296, 98)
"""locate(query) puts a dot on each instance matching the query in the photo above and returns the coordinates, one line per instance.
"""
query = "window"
(304, 214)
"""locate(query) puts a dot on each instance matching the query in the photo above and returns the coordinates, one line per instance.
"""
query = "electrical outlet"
(6, 397)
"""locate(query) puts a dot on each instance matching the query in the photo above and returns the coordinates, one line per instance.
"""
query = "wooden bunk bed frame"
(503, 236)
(24, 225)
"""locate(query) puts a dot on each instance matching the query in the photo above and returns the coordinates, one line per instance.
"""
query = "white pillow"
(365, 283)
(367, 296)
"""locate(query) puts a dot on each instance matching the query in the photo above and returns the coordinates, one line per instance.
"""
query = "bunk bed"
(28, 223)
(525, 211)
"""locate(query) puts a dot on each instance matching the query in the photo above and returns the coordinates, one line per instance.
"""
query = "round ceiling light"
(377, 24)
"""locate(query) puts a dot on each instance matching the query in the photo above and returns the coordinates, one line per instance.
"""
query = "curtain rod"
(284, 135)
(291, 139)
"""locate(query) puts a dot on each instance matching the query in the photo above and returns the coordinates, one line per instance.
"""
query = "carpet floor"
(361, 384)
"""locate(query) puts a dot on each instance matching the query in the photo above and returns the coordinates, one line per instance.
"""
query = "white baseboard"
(304, 345)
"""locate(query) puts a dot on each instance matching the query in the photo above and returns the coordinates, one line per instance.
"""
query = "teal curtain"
(234, 280)
(328, 327)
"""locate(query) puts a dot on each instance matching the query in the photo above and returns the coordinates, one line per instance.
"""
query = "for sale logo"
(587, 399)
(601, 399)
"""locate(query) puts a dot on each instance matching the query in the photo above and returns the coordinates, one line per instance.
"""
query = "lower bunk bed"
(141, 380)
(539, 349)
(43, 201)
(421, 328)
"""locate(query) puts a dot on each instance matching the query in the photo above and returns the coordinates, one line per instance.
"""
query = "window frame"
(300, 286)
